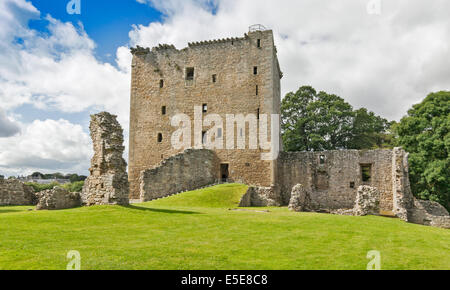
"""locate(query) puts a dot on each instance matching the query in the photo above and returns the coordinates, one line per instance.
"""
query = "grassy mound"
(222, 196)
(191, 231)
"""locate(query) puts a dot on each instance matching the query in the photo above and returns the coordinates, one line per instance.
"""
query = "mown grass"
(196, 230)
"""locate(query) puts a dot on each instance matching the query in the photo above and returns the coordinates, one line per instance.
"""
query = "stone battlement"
(233, 41)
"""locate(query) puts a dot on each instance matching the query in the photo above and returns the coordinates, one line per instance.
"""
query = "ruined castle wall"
(14, 192)
(108, 179)
(189, 170)
(334, 181)
(159, 80)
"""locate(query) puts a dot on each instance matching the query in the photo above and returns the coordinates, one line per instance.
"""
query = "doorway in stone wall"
(224, 172)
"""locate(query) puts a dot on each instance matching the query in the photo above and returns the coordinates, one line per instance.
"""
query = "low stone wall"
(14, 192)
(58, 198)
(186, 171)
(429, 213)
(260, 197)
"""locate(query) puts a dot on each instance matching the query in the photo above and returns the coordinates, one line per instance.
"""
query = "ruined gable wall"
(232, 61)
(186, 171)
(330, 182)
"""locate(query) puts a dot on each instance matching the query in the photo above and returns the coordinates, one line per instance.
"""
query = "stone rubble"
(367, 201)
(300, 199)
(259, 197)
(58, 198)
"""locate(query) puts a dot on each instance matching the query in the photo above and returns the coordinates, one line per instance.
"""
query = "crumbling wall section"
(58, 198)
(14, 192)
(186, 171)
(333, 177)
(108, 180)
(260, 197)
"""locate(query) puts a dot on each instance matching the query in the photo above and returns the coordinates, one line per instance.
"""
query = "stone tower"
(108, 180)
(227, 76)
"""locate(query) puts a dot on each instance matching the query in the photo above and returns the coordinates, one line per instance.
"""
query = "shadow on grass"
(133, 207)
(6, 210)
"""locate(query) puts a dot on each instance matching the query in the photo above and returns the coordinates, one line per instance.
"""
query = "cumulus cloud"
(50, 145)
(384, 62)
(58, 69)
(55, 70)
(8, 128)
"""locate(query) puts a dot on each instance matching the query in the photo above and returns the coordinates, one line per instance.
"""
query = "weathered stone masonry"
(333, 177)
(229, 76)
(14, 192)
(108, 181)
(189, 170)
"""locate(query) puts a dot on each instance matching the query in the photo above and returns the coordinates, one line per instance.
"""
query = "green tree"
(314, 121)
(369, 131)
(424, 132)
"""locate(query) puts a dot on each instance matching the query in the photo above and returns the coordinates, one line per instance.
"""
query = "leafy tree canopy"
(424, 132)
(314, 121)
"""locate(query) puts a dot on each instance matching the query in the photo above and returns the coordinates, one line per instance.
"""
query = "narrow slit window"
(214, 78)
(259, 43)
(255, 70)
(366, 172)
(204, 137)
(258, 113)
(190, 74)
(257, 90)
(161, 84)
(160, 138)
(164, 110)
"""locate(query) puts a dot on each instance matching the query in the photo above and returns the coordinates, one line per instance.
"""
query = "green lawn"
(196, 230)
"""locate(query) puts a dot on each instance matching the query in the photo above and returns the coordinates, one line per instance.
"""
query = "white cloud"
(8, 128)
(383, 62)
(58, 71)
(46, 146)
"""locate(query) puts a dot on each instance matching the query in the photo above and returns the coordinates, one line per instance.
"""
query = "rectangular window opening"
(259, 43)
(255, 70)
(322, 159)
(160, 138)
(205, 108)
(190, 74)
(164, 110)
(214, 78)
(257, 90)
(366, 172)
(161, 84)
(352, 185)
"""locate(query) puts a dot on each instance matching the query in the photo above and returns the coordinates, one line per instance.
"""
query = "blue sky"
(56, 69)
(106, 22)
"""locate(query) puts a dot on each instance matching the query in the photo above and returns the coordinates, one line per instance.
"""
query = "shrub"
(72, 187)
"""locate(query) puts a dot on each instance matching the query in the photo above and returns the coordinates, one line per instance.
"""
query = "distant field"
(196, 230)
